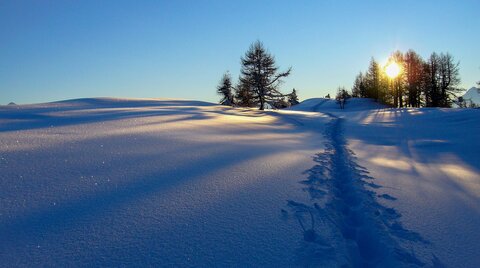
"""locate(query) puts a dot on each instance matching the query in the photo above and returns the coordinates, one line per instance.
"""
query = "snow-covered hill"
(118, 182)
(157, 182)
(472, 96)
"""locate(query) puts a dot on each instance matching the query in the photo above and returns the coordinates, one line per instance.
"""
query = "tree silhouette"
(373, 80)
(441, 80)
(244, 95)
(432, 82)
(293, 98)
(449, 79)
(259, 75)
(359, 89)
(398, 82)
(413, 65)
(225, 90)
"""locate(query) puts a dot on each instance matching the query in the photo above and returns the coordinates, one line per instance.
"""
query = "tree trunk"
(262, 104)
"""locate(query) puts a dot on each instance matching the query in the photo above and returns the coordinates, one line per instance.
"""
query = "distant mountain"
(12, 103)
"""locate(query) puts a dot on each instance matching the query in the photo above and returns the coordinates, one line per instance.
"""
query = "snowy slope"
(425, 166)
(148, 182)
(472, 96)
(116, 182)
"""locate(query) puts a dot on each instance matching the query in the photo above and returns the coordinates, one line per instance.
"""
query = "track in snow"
(345, 224)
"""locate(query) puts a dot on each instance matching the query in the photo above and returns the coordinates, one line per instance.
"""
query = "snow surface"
(425, 164)
(472, 96)
(114, 182)
(157, 182)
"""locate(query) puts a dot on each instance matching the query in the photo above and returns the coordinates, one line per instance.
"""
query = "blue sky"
(55, 50)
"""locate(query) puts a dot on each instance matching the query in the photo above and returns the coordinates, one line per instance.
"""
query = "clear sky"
(55, 50)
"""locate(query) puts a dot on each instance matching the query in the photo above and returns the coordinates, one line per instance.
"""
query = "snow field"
(158, 182)
(109, 182)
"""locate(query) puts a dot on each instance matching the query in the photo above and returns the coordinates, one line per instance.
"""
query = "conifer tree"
(293, 98)
(373, 80)
(359, 89)
(244, 96)
(432, 82)
(224, 89)
(259, 74)
(442, 78)
(413, 76)
(449, 79)
(398, 82)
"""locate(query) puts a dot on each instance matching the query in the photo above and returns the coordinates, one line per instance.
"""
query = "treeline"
(258, 84)
(430, 82)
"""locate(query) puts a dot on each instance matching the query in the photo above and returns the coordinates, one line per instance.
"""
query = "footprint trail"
(345, 225)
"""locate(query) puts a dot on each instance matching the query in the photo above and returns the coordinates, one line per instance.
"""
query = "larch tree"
(430, 81)
(398, 82)
(373, 80)
(293, 98)
(442, 78)
(359, 89)
(413, 65)
(260, 75)
(449, 79)
(244, 95)
(225, 89)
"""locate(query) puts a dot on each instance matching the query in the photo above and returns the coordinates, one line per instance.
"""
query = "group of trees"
(258, 84)
(432, 82)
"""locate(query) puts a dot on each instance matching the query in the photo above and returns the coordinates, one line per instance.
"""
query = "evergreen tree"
(430, 81)
(373, 79)
(449, 79)
(359, 89)
(244, 96)
(259, 74)
(385, 94)
(293, 98)
(224, 89)
(413, 76)
(398, 82)
(442, 78)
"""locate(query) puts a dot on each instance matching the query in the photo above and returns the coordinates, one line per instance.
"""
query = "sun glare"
(392, 69)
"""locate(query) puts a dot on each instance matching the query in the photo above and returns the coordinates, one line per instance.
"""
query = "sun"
(392, 69)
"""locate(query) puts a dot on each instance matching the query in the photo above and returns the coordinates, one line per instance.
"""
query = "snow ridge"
(353, 229)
